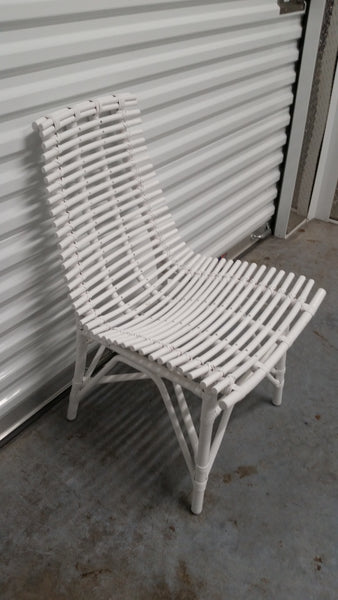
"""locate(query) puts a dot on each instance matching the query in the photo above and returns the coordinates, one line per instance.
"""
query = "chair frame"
(201, 454)
(253, 358)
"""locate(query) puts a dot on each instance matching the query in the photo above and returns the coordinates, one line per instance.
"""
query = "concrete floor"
(98, 508)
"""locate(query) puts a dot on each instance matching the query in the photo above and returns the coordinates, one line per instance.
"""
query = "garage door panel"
(215, 85)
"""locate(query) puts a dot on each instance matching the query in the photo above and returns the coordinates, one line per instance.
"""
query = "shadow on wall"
(37, 326)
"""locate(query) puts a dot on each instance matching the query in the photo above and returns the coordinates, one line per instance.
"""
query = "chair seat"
(216, 325)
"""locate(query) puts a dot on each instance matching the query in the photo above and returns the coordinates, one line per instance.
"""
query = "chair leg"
(77, 383)
(202, 467)
(280, 375)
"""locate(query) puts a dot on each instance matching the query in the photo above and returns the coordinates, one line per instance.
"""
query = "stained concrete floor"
(98, 508)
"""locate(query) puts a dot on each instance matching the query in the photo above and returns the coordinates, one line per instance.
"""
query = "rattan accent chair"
(215, 327)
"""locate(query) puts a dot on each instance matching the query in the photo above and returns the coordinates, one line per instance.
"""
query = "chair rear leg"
(77, 383)
(280, 376)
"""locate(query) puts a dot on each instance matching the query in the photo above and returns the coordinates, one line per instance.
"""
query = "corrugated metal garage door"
(214, 83)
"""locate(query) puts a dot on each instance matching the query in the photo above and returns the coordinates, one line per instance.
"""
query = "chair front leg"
(280, 376)
(202, 465)
(77, 383)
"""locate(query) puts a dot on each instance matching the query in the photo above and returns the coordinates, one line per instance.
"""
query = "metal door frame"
(306, 73)
(326, 176)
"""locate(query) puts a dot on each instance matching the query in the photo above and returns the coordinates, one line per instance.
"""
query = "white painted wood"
(213, 326)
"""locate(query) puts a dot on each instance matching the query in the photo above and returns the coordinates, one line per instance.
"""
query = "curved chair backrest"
(113, 225)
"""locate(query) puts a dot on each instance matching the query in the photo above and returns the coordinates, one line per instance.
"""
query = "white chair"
(215, 327)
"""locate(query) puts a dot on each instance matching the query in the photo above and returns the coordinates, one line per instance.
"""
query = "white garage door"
(214, 82)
